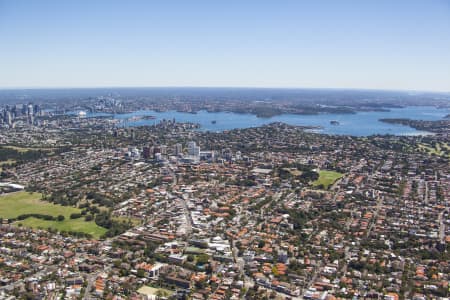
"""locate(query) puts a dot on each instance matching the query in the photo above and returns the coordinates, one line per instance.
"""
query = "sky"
(373, 44)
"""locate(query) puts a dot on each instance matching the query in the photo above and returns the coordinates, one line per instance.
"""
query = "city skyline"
(346, 45)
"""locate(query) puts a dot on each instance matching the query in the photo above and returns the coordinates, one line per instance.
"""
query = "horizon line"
(222, 87)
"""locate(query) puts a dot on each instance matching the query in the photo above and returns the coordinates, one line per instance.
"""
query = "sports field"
(16, 204)
(327, 178)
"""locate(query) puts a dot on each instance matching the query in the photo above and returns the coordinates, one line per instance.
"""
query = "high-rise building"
(37, 110)
(163, 149)
(193, 149)
(30, 110)
(178, 149)
(8, 118)
(146, 152)
(30, 119)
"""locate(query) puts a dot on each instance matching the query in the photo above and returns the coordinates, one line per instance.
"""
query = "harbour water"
(359, 124)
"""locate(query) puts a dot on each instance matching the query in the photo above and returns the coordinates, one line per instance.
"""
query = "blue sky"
(378, 44)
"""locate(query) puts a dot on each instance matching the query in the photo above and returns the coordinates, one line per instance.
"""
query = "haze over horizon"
(379, 45)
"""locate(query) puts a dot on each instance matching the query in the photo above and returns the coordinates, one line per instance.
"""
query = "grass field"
(327, 178)
(78, 225)
(151, 291)
(440, 149)
(15, 204)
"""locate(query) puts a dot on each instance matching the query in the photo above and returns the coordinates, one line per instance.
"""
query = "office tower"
(30, 110)
(163, 149)
(193, 149)
(178, 149)
(8, 118)
(146, 152)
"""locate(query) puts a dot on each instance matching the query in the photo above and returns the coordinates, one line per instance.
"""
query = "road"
(314, 277)
(375, 215)
(187, 215)
(441, 226)
(91, 280)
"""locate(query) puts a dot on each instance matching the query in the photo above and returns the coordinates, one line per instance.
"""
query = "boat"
(213, 122)
(333, 122)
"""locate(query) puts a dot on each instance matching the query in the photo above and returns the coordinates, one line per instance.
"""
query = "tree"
(261, 244)
(160, 294)
(238, 244)
(141, 273)
(202, 259)
(75, 216)
(60, 218)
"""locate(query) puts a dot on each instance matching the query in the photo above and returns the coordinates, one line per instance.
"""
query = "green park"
(22, 203)
(327, 178)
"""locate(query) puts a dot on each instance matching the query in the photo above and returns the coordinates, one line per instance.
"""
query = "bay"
(360, 124)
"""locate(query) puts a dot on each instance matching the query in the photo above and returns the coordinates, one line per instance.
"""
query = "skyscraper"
(193, 149)
(178, 149)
